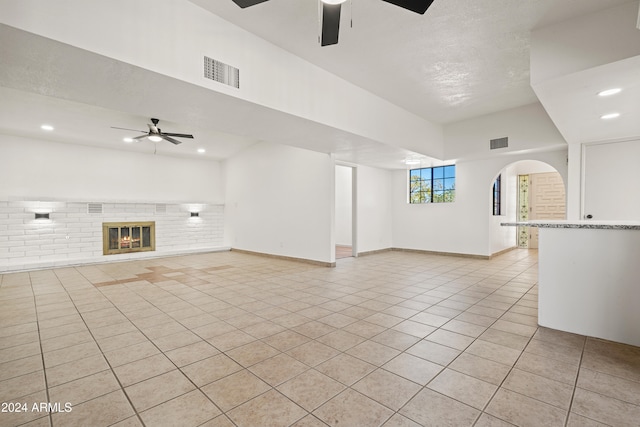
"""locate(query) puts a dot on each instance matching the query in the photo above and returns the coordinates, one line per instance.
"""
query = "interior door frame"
(354, 205)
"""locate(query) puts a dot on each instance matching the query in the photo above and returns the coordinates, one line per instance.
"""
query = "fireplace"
(125, 237)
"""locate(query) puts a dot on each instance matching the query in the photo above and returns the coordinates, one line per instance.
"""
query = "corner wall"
(527, 127)
(464, 226)
(344, 206)
(374, 209)
(503, 238)
(467, 226)
(279, 201)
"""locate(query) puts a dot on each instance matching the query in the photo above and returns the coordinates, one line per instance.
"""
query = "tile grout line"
(575, 384)
(44, 369)
(101, 352)
(351, 283)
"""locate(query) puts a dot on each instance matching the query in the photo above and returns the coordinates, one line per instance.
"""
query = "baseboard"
(426, 252)
(455, 254)
(287, 258)
(504, 251)
(375, 251)
(77, 262)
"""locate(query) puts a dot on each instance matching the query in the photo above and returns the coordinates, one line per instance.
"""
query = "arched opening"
(523, 191)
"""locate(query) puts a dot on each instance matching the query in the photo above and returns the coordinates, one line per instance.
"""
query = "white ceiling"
(22, 113)
(463, 58)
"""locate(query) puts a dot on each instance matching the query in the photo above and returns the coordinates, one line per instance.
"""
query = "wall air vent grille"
(499, 143)
(94, 208)
(221, 72)
(161, 208)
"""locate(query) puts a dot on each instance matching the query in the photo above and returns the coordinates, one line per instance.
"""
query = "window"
(497, 193)
(432, 185)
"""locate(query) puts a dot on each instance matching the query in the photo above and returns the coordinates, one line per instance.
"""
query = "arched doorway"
(525, 190)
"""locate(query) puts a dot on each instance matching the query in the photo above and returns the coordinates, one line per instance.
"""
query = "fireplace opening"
(124, 237)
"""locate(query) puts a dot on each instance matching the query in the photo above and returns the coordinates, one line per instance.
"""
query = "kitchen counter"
(589, 277)
(593, 225)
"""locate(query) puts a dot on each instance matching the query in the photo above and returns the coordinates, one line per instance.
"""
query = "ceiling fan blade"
(417, 6)
(177, 135)
(132, 130)
(142, 136)
(171, 140)
(247, 3)
(330, 24)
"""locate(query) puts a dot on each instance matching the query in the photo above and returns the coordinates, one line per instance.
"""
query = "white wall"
(527, 167)
(374, 209)
(465, 226)
(527, 127)
(502, 238)
(572, 46)
(33, 169)
(59, 178)
(279, 201)
(344, 206)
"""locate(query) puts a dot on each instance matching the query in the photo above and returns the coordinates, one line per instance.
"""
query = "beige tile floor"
(223, 339)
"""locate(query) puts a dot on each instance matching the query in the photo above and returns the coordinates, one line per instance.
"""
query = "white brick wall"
(73, 236)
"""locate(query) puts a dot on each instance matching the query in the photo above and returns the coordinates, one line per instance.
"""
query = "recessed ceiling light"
(127, 139)
(46, 127)
(610, 116)
(412, 162)
(610, 92)
(201, 150)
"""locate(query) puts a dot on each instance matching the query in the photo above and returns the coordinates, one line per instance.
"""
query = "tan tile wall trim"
(304, 260)
(421, 251)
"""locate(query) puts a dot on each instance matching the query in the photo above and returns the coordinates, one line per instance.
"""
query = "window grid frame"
(431, 195)
(497, 196)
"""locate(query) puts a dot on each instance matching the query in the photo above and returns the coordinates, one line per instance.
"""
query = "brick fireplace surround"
(72, 235)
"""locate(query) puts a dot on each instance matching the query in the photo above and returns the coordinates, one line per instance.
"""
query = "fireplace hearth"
(125, 237)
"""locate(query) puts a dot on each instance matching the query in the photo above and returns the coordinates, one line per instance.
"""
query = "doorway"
(345, 208)
(540, 196)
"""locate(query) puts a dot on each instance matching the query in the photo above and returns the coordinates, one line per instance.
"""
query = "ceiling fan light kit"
(331, 14)
(155, 134)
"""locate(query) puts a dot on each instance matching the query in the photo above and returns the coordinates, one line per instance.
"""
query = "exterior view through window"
(432, 185)
(497, 195)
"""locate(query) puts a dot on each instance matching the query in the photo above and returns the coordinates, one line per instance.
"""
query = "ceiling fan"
(331, 14)
(156, 135)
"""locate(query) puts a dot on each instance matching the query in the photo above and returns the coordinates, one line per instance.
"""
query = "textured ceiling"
(463, 58)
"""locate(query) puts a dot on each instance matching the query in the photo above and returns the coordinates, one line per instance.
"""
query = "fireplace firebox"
(125, 237)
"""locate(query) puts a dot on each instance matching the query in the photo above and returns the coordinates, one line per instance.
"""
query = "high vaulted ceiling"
(462, 59)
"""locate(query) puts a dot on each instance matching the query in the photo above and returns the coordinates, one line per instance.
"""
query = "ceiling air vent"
(94, 208)
(499, 143)
(221, 72)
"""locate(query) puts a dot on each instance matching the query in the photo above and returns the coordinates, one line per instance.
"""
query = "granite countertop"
(594, 225)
